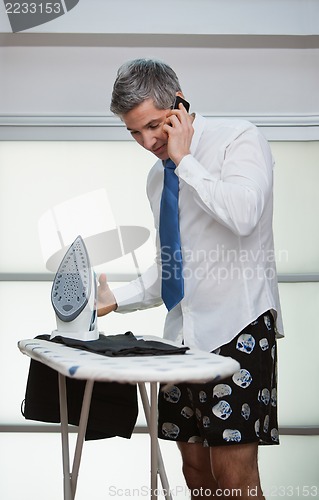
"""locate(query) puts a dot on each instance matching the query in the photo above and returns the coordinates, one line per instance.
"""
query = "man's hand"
(106, 302)
(179, 128)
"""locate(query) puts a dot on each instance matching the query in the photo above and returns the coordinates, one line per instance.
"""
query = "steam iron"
(73, 295)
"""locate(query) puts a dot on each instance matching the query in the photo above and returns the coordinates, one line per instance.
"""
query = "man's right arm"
(141, 293)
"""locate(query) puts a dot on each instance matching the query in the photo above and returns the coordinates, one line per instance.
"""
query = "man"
(230, 302)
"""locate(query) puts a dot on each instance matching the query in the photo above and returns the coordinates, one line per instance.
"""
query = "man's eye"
(154, 126)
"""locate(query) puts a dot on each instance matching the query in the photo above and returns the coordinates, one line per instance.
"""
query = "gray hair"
(142, 79)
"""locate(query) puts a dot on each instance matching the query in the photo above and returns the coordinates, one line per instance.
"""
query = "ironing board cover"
(193, 366)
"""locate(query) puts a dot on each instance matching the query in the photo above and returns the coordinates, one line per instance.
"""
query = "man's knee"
(235, 466)
(196, 465)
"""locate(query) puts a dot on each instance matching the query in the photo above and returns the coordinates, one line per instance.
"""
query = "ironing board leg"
(81, 434)
(154, 443)
(151, 421)
(65, 438)
(70, 479)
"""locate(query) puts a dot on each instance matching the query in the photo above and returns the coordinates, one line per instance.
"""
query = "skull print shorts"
(239, 409)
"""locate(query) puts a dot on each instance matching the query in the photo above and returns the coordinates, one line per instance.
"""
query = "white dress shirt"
(226, 210)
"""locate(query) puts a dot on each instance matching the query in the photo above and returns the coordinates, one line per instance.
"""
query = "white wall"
(257, 59)
(254, 59)
(184, 16)
(63, 81)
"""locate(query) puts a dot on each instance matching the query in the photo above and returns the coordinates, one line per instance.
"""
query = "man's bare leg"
(235, 469)
(232, 469)
(197, 470)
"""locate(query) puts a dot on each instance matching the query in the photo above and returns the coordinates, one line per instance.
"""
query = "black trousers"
(113, 410)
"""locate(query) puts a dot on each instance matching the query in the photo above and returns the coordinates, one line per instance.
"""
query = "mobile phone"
(179, 100)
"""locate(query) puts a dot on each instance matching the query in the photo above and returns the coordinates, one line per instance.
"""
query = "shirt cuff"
(127, 297)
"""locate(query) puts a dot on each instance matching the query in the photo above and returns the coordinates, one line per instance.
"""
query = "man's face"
(145, 123)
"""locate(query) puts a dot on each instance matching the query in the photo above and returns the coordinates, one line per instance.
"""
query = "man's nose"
(148, 140)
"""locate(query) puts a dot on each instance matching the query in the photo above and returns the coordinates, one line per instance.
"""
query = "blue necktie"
(172, 266)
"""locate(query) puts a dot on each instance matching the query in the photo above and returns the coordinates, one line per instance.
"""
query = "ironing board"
(194, 366)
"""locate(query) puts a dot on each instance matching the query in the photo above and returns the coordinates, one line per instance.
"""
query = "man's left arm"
(237, 197)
